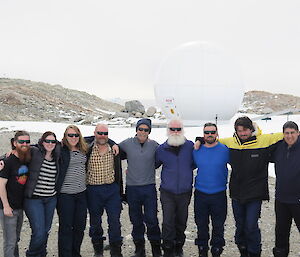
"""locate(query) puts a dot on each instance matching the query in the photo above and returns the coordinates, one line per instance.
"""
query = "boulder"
(151, 111)
(134, 106)
(138, 115)
(120, 115)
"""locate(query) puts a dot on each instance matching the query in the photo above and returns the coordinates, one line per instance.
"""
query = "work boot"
(203, 251)
(280, 252)
(254, 254)
(243, 250)
(139, 248)
(116, 249)
(179, 249)
(169, 251)
(156, 248)
(98, 248)
(216, 252)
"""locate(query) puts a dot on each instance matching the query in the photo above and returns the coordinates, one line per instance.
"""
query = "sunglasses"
(102, 133)
(73, 135)
(175, 129)
(23, 141)
(48, 141)
(144, 129)
(210, 132)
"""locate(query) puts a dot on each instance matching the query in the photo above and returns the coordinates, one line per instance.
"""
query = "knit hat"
(146, 122)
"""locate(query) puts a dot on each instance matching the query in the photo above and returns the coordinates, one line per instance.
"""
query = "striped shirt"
(45, 185)
(75, 179)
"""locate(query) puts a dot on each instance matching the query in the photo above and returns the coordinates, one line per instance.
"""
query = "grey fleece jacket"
(141, 161)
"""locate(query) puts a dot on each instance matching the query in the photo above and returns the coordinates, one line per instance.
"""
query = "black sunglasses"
(175, 129)
(209, 132)
(20, 141)
(73, 135)
(144, 129)
(48, 141)
(102, 133)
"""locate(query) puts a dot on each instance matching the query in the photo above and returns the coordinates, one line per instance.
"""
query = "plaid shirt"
(100, 167)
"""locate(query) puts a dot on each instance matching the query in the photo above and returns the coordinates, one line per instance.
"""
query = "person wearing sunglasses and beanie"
(12, 185)
(140, 188)
(210, 200)
(176, 157)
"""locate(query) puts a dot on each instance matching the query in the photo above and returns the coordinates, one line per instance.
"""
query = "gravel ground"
(267, 223)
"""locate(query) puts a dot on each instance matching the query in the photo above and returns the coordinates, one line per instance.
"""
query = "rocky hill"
(29, 100)
(37, 101)
(261, 102)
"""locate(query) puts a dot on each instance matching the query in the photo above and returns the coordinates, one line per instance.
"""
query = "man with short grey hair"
(103, 192)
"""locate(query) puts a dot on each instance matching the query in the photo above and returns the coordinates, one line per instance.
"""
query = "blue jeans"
(142, 202)
(246, 217)
(214, 206)
(40, 213)
(72, 212)
(11, 227)
(106, 197)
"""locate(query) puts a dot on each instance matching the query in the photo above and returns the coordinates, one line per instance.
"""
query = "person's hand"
(8, 153)
(197, 145)
(1, 165)
(115, 149)
(8, 211)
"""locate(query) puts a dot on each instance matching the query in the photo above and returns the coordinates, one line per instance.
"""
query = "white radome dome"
(199, 81)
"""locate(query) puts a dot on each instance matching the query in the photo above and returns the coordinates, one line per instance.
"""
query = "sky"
(113, 48)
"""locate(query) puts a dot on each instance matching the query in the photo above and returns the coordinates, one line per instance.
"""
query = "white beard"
(176, 140)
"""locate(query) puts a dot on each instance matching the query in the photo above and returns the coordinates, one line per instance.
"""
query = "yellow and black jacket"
(249, 162)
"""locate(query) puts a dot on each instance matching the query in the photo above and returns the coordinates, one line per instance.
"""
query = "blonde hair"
(82, 145)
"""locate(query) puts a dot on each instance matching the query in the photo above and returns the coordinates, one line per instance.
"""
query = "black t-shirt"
(16, 174)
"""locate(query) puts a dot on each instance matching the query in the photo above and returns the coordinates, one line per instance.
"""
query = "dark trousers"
(285, 213)
(215, 207)
(175, 215)
(40, 213)
(247, 232)
(106, 197)
(72, 212)
(142, 203)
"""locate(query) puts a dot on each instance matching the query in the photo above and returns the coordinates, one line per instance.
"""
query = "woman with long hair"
(72, 201)
(40, 192)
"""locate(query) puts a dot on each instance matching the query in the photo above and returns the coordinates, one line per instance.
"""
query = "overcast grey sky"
(112, 48)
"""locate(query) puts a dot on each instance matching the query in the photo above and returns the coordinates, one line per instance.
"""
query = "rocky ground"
(266, 223)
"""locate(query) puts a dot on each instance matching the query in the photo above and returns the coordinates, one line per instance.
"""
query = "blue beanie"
(146, 122)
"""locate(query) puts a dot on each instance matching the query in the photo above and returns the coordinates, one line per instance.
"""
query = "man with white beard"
(176, 158)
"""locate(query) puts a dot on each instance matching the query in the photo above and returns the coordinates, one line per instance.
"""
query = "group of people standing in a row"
(80, 174)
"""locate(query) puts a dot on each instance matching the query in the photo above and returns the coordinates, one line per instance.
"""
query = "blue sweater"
(177, 167)
(212, 168)
(287, 169)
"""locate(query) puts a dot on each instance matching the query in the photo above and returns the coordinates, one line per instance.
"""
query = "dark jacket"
(177, 169)
(249, 162)
(37, 158)
(287, 169)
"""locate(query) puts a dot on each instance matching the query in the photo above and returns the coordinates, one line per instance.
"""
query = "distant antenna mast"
(216, 119)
